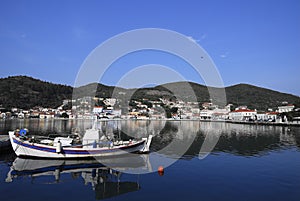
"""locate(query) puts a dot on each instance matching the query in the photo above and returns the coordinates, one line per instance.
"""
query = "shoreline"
(284, 124)
(266, 123)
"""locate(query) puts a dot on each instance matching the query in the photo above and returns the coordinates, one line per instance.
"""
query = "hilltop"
(26, 92)
(258, 98)
(241, 94)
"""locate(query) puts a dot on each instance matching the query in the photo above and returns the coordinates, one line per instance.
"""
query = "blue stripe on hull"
(82, 152)
(53, 150)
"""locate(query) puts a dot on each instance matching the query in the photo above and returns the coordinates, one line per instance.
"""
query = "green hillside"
(242, 94)
(258, 98)
(26, 92)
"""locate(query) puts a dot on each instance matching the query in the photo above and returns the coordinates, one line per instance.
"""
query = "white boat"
(92, 145)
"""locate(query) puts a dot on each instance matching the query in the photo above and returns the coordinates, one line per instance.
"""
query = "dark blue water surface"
(249, 162)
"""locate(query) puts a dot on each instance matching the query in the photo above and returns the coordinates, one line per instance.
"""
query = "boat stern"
(11, 134)
(147, 144)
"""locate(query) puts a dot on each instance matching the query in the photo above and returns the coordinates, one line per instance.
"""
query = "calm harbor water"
(249, 162)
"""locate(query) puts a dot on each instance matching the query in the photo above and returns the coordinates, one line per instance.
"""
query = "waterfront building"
(242, 114)
(272, 115)
(206, 114)
(46, 115)
(286, 108)
(97, 109)
(261, 116)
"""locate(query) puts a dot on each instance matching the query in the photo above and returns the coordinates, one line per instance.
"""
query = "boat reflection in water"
(105, 180)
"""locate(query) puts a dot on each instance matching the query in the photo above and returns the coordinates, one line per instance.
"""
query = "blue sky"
(251, 41)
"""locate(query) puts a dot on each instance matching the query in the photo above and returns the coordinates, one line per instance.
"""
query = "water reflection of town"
(247, 140)
(238, 139)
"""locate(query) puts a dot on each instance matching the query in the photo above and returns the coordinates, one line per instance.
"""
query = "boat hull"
(27, 149)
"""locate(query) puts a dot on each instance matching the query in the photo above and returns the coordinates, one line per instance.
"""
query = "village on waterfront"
(110, 108)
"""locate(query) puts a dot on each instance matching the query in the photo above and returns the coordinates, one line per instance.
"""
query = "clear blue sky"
(250, 41)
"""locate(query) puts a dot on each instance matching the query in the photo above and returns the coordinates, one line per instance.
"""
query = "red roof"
(272, 112)
(243, 110)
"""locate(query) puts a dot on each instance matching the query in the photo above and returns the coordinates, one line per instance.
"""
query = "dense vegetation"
(241, 94)
(26, 92)
(257, 97)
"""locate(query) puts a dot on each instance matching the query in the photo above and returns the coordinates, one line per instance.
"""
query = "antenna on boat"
(119, 130)
(94, 123)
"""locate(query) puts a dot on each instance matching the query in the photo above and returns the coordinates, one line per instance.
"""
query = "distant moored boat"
(4, 143)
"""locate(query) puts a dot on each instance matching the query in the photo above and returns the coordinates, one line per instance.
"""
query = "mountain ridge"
(26, 92)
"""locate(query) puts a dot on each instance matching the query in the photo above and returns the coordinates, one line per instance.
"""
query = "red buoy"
(160, 170)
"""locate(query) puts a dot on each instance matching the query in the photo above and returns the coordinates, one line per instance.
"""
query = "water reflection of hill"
(245, 140)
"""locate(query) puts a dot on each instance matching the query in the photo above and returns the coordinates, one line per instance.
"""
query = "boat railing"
(93, 145)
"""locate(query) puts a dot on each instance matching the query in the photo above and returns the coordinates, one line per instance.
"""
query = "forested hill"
(241, 94)
(259, 98)
(26, 92)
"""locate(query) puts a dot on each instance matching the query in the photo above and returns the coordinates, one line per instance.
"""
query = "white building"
(267, 116)
(272, 115)
(286, 108)
(262, 116)
(97, 110)
(110, 101)
(220, 114)
(206, 114)
(209, 105)
(242, 114)
(46, 115)
(216, 113)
